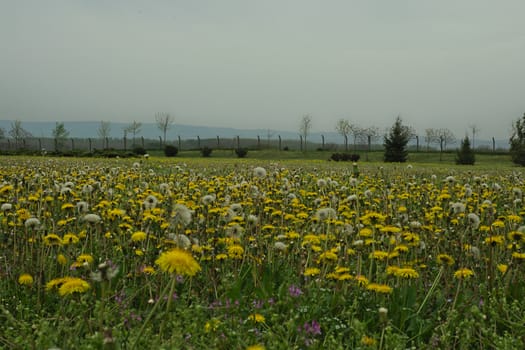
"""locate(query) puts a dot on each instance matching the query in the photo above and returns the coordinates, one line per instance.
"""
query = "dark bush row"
(345, 157)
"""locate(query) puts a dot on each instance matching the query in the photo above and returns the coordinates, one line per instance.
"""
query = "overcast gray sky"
(264, 64)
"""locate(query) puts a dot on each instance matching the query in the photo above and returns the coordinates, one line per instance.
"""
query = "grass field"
(273, 251)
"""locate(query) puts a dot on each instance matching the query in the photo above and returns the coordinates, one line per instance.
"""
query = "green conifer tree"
(465, 154)
(396, 141)
(517, 142)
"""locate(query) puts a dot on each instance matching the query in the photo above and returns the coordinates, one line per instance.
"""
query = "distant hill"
(89, 129)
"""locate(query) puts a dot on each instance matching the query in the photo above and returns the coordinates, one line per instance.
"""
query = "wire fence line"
(48, 144)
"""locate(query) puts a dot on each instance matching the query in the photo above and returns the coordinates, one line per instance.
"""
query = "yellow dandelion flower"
(344, 277)
(52, 239)
(503, 268)
(61, 259)
(463, 273)
(514, 218)
(362, 281)
(73, 285)
(69, 238)
(178, 261)
(85, 258)
(379, 255)
(495, 240)
(221, 256)
(257, 318)
(406, 272)
(379, 288)
(139, 236)
(518, 256)
(367, 341)
(498, 224)
(148, 270)
(516, 236)
(328, 256)
(67, 206)
(235, 251)
(445, 259)
(341, 269)
(392, 270)
(365, 232)
(311, 271)
(212, 325)
(256, 347)
(25, 279)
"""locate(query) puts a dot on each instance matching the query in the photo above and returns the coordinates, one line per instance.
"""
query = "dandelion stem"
(431, 290)
(150, 315)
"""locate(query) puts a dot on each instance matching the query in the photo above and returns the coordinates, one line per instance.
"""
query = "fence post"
(218, 142)
(279, 143)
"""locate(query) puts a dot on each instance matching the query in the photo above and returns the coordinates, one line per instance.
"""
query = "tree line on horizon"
(395, 140)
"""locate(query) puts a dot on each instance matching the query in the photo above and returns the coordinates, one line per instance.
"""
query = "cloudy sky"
(264, 64)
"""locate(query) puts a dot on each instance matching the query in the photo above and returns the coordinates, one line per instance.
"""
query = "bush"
(170, 151)
(138, 150)
(241, 152)
(206, 151)
(345, 157)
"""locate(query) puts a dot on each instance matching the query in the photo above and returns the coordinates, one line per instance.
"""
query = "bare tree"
(305, 127)
(371, 133)
(17, 132)
(2, 133)
(431, 136)
(60, 135)
(474, 130)
(134, 128)
(357, 133)
(164, 123)
(446, 137)
(343, 127)
(103, 131)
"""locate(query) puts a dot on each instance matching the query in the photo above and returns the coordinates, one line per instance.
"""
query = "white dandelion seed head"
(150, 202)
(516, 192)
(473, 220)
(321, 183)
(82, 207)
(87, 189)
(208, 199)
(33, 223)
(353, 182)
(450, 179)
(234, 231)
(415, 224)
(6, 207)
(180, 239)
(252, 219)
(92, 218)
(259, 172)
(280, 246)
(351, 198)
(368, 194)
(458, 207)
(181, 215)
(496, 186)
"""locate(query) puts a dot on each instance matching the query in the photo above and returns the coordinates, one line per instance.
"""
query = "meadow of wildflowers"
(240, 254)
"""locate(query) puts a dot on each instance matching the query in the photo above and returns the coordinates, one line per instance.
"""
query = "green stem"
(150, 315)
(431, 290)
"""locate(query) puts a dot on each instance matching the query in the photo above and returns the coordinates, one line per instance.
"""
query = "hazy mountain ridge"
(89, 129)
